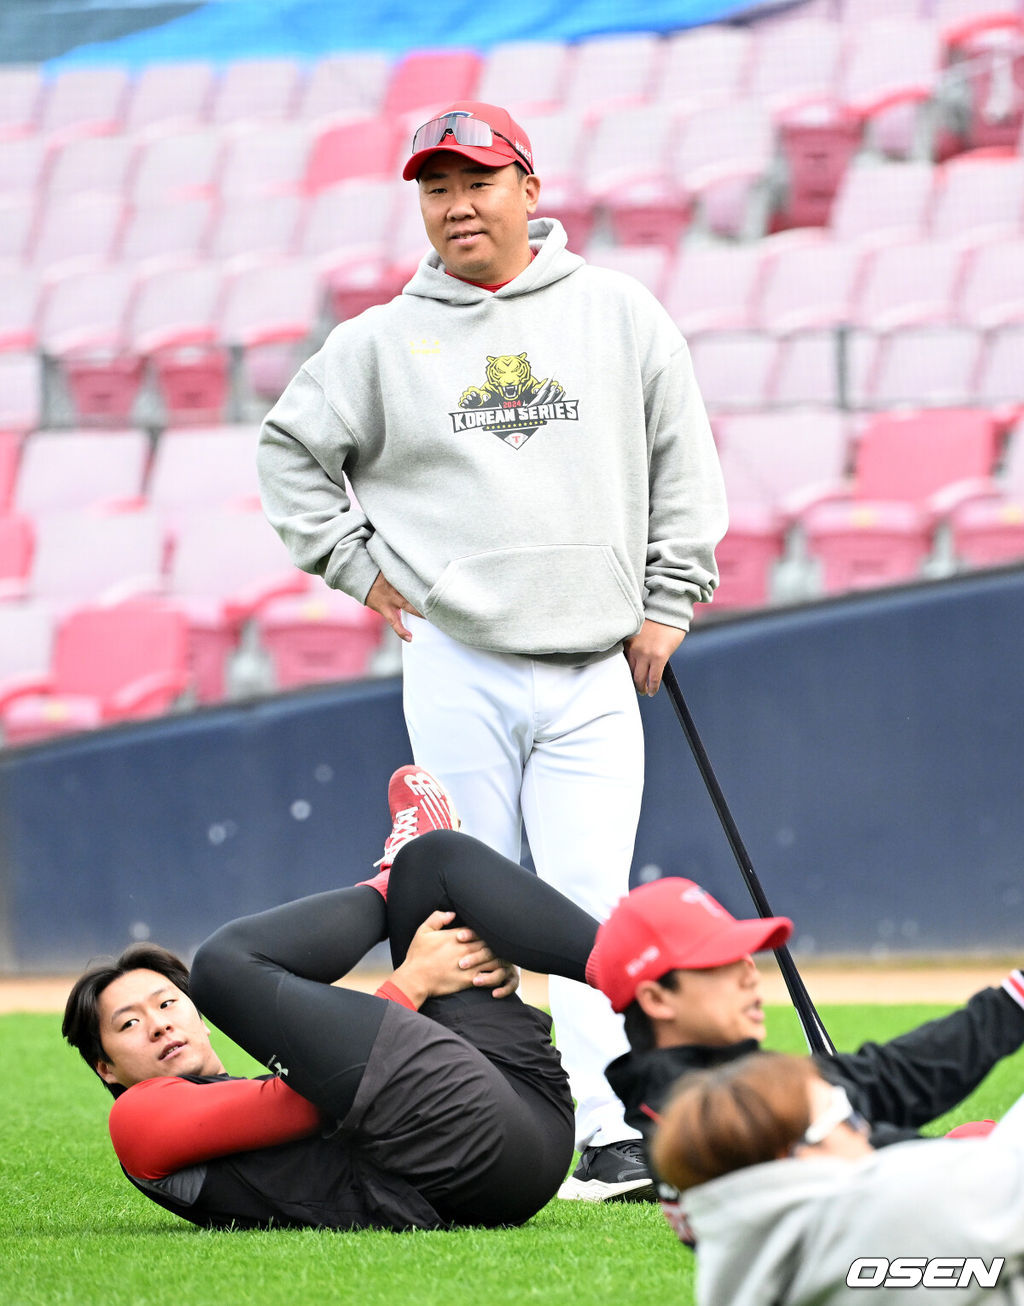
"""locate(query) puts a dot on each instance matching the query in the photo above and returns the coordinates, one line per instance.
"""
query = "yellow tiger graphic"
(509, 383)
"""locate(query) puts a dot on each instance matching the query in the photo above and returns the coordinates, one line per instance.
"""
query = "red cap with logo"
(672, 924)
(483, 133)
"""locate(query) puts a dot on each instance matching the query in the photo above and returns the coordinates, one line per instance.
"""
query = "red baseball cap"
(489, 135)
(672, 924)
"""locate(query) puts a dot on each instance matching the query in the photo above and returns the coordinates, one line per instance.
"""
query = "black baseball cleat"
(616, 1172)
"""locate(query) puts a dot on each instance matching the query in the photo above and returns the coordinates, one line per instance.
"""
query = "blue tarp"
(231, 29)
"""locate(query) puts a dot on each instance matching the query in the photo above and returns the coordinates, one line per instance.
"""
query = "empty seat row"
(821, 505)
(784, 284)
(887, 53)
(220, 568)
(861, 369)
(176, 162)
(186, 470)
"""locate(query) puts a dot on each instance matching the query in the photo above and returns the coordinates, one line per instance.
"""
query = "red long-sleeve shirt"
(162, 1125)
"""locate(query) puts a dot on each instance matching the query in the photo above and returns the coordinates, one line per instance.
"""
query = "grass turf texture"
(73, 1230)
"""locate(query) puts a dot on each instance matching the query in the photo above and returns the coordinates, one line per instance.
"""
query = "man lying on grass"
(680, 968)
(425, 1105)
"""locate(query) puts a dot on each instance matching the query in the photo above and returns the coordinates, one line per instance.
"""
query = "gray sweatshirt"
(787, 1233)
(533, 467)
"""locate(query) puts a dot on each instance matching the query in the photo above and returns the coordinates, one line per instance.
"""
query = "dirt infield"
(840, 982)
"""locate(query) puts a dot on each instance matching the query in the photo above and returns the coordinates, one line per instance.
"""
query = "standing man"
(539, 494)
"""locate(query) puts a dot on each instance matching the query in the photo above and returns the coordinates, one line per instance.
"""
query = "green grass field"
(73, 1230)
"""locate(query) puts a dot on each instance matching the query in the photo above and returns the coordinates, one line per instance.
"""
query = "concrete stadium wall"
(869, 748)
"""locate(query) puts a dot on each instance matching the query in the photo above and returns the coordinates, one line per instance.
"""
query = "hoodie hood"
(789, 1231)
(552, 263)
(752, 1229)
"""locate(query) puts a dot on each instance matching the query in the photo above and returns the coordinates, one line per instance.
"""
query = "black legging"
(267, 980)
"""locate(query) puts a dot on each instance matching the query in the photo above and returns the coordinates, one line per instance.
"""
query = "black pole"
(810, 1021)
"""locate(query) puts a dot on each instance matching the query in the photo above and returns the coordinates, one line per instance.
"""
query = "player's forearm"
(164, 1125)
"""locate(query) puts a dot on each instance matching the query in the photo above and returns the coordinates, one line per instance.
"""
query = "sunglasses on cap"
(467, 130)
(839, 1111)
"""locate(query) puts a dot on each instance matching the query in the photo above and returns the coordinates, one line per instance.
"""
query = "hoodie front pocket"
(561, 598)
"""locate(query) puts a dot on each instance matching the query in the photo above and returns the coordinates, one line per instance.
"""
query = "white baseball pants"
(560, 749)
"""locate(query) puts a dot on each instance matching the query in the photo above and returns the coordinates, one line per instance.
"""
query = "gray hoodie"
(787, 1233)
(534, 467)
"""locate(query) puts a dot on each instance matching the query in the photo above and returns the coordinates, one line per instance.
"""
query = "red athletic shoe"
(418, 803)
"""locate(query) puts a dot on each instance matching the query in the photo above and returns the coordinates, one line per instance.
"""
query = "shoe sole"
(595, 1190)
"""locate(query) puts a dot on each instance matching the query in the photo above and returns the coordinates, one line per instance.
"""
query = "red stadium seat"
(198, 469)
(225, 567)
(268, 313)
(366, 147)
(168, 228)
(704, 65)
(715, 286)
(886, 199)
(808, 284)
(866, 545)
(923, 365)
(992, 291)
(93, 554)
(63, 470)
(85, 99)
(241, 227)
(988, 530)
(20, 293)
(90, 163)
(318, 636)
(26, 642)
(26, 163)
(616, 68)
(346, 83)
(267, 161)
(17, 224)
(626, 171)
(81, 325)
(69, 233)
(117, 663)
(795, 60)
(170, 94)
(988, 533)
(558, 141)
(911, 467)
(747, 556)
(906, 283)
(890, 76)
(735, 369)
(430, 79)
(525, 76)
(978, 194)
(648, 264)
(998, 380)
(774, 460)
(21, 391)
(10, 455)
(176, 303)
(21, 93)
(17, 540)
(724, 159)
(176, 164)
(260, 89)
(818, 139)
